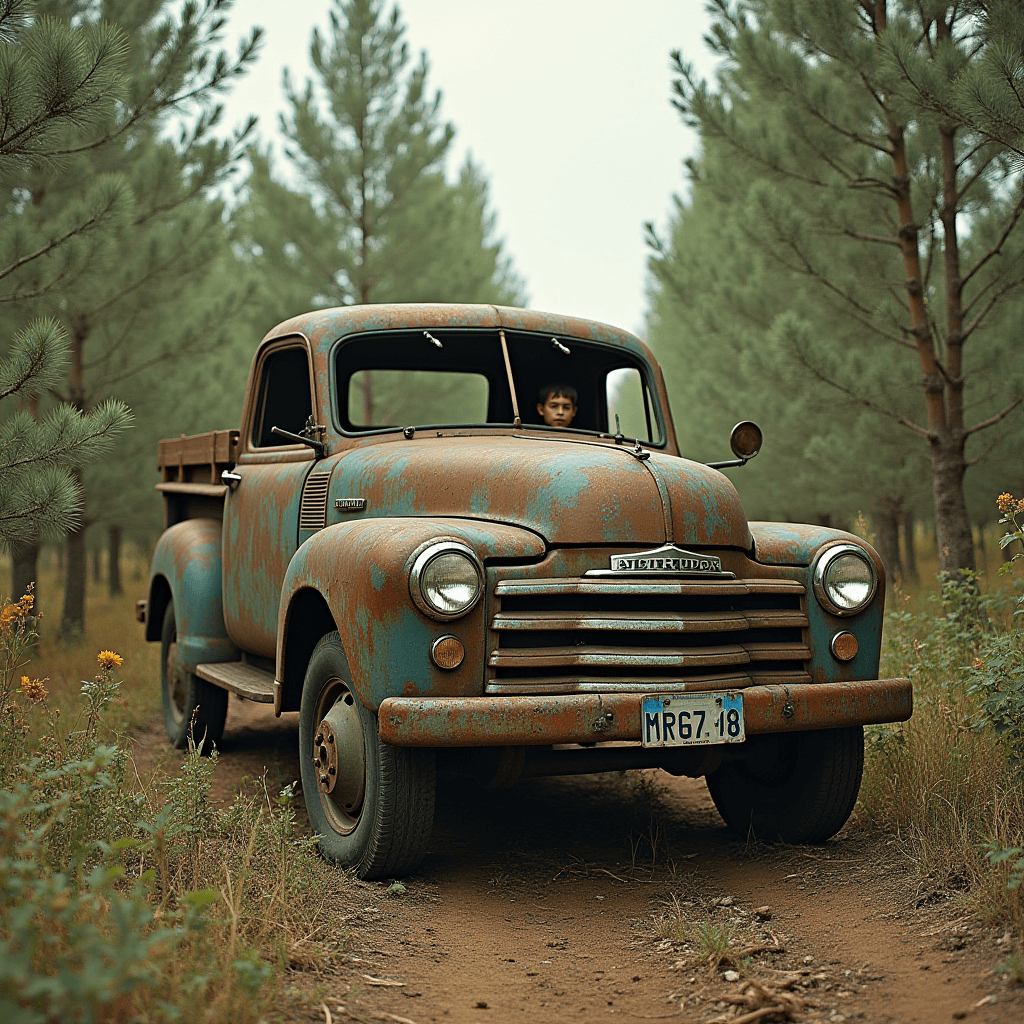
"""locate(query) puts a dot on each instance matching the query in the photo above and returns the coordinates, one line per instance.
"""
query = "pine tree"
(57, 84)
(375, 220)
(139, 301)
(843, 157)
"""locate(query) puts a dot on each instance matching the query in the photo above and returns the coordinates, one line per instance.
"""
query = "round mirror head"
(745, 439)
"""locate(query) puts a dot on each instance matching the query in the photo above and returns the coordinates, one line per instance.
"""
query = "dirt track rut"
(539, 904)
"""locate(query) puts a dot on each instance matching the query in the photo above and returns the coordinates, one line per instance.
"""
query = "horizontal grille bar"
(661, 588)
(540, 657)
(636, 684)
(651, 622)
(733, 654)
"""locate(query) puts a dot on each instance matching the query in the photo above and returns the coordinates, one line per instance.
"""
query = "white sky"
(565, 106)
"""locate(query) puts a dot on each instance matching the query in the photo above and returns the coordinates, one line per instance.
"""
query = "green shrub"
(122, 903)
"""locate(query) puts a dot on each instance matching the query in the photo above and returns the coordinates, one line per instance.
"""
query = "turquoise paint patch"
(377, 577)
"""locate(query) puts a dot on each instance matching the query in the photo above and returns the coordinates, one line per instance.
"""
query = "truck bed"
(190, 468)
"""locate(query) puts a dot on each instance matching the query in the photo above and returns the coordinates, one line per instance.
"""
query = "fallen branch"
(754, 950)
(371, 980)
(764, 1011)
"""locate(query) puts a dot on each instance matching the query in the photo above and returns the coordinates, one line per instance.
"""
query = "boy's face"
(557, 411)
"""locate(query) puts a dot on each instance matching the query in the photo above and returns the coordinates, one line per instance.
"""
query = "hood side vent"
(313, 510)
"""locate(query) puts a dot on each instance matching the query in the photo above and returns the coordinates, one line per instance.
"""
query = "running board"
(245, 680)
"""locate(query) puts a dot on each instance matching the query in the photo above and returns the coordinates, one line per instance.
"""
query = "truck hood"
(569, 492)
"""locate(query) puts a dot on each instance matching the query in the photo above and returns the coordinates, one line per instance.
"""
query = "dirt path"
(579, 899)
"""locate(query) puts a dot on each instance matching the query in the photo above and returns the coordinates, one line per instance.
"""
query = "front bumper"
(589, 718)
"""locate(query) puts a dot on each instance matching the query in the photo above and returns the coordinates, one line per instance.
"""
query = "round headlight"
(446, 580)
(845, 579)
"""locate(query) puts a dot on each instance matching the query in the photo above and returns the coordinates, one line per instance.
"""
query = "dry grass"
(940, 782)
(110, 624)
(252, 911)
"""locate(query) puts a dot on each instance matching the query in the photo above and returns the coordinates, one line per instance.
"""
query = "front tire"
(796, 787)
(370, 804)
(192, 707)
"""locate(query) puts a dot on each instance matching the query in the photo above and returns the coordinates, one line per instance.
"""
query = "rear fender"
(360, 574)
(186, 567)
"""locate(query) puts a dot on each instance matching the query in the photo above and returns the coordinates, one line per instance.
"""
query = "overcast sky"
(565, 106)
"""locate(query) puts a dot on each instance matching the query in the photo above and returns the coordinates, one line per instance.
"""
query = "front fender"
(800, 544)
(361, 570)
(187, 567)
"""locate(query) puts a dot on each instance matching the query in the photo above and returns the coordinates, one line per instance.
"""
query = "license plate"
(691, 719)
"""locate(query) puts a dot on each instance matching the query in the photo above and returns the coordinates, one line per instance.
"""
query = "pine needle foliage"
(56, 82)
(373, 219)
(892, 228)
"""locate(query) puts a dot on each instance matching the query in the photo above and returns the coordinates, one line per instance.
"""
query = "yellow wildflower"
(108, 659)
(1005, 502)
(34, 689)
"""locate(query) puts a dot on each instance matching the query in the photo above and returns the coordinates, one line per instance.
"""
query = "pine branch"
(993, 300)
(993, 420)
(1000, 242)
(862, 399)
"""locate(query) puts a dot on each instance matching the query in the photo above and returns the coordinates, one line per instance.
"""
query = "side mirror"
(745, 439)
(745, 442)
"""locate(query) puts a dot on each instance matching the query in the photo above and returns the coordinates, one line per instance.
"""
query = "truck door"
(261, 513)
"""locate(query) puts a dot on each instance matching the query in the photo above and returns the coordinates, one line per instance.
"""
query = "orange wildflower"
(108, 659)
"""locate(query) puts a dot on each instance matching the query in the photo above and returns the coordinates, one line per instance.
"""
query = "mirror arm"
(319, 448)
(727, 465)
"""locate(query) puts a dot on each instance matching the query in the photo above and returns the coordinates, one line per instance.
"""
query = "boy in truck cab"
(556, 404)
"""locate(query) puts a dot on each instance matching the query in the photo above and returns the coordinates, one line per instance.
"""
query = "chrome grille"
(579, 635)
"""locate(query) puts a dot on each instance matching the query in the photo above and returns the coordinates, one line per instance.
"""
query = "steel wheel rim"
(337, 714)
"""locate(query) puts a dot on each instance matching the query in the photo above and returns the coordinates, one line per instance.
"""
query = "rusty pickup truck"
(398, 547)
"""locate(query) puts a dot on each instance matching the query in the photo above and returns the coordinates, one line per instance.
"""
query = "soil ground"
(582, 898)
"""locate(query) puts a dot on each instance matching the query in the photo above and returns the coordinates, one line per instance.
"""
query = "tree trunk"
(114, 558)
(887, 540)
(96, 557)
(980, 547)
(910, 573)
(952, 524)
(25, 570)
(942, 385)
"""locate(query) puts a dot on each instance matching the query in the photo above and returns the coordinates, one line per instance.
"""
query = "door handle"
(231, 479)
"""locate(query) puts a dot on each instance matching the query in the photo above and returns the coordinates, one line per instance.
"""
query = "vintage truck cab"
(397, 547)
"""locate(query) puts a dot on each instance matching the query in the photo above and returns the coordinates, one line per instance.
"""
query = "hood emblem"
(667, 560)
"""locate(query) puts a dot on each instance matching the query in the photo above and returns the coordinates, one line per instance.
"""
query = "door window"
(284, 397)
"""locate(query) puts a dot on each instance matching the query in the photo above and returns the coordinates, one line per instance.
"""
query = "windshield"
(446, 378)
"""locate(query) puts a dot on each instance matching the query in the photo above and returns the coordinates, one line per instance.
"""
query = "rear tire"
(370, 804)
(192, 707)
(797, 787)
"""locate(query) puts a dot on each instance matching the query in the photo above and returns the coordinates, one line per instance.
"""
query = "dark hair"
(557, 391)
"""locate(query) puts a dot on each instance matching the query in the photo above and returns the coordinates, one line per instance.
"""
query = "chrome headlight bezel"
(819, 578)
(422, 562)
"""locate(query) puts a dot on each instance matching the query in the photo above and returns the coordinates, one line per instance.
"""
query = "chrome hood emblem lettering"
(668, 560)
